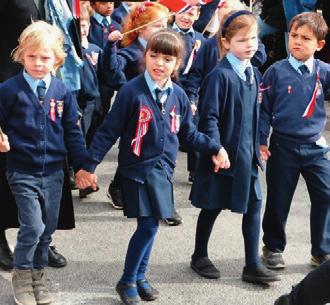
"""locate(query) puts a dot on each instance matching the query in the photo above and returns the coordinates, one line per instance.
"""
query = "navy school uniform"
(134, 110)
(98, 32)
(189, 37)
(39, 144)
(121, 65)
(206, 59)
(229, 113)
(89, 95)
(296, 148)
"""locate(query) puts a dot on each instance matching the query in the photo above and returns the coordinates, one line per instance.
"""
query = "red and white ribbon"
(52, 112)
(145, 117)
(311, 105)
(173, 119)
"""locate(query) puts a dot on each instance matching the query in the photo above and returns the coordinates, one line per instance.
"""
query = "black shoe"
(205, 268)
(284, 299)
(56, 259)
(83, 193)
(318, 260)
(259, 275)
(191, 177)
(120, 288)
(272, 260)
(6, 257)
(116, 197)
(175, 220)
(147, 294)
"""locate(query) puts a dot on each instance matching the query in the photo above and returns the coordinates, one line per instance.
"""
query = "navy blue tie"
(303, 69)
(159, 93)
(41, 91)
(249, 75)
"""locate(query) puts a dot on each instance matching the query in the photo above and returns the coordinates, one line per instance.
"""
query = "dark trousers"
(287, 162)
(38, 203)
(314, 288)
(250, 230)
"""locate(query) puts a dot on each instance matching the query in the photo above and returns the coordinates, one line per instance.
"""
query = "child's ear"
(225, 43)
(320, 45)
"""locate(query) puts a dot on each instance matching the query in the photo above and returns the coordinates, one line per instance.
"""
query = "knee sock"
(139, 249)
(204, 228)
(251, 232)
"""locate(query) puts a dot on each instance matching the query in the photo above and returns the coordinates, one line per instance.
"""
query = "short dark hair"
(314, 21)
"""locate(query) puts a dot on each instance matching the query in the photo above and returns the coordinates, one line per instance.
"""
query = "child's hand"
(115, 36)
(221, 160)
(264, 152)
(85, 179)
(4, 143)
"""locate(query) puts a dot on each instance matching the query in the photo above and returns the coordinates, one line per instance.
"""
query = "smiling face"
(160, 66)
(185, 20)
(38, 62)
(244, 43)
(303, 42)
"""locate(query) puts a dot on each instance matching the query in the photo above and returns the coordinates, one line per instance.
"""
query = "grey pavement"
(97, 247)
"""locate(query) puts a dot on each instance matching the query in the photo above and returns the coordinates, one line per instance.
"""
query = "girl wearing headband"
(229, 113)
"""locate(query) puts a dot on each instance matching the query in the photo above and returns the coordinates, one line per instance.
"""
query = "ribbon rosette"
(145, 117)
(311, 105)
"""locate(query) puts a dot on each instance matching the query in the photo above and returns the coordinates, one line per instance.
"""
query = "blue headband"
(231, 18)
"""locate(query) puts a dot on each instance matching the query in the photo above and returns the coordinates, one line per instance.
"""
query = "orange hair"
(139, 15)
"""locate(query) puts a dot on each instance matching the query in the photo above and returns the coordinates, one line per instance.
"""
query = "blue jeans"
(38, 202)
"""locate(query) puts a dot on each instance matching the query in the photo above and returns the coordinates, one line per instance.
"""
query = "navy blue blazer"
(38, 144)
(161, 141)
(206, 60)
(121, 65)
(96, 35)
(221, 111)
(286, 95)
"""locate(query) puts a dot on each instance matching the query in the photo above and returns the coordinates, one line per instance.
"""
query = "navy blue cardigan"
(206, 60)
(160, 142)
(39, 145)
(286, 96)
(221, 111)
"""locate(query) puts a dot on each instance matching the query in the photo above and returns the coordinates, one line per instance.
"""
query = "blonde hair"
(139, 15)
(245, 20)
(37, 35)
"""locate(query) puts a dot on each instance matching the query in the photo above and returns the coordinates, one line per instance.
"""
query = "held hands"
(115, 36)
(221, 160)
(4, 143)
(85, 179)
(264, 152)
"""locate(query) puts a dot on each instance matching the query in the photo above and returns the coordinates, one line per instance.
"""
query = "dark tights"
(250, 230)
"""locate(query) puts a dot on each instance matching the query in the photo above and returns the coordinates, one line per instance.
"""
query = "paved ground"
(96, 249)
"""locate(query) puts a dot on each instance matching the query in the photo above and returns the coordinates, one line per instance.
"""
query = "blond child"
(38, 116)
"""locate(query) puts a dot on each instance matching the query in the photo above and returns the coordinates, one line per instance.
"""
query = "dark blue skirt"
(154, 198)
